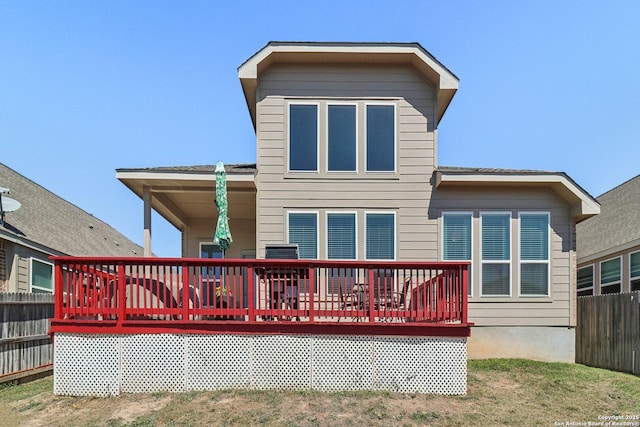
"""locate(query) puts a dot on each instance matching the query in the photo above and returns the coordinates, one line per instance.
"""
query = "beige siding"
(555, 310)
(405, 192)
(242, 230)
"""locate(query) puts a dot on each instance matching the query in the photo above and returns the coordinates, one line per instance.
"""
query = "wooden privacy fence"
(608, 332)
(25, 346)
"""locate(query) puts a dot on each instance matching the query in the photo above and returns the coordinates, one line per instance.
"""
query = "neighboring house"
(47, 225)
(609, 244)
(347, 168)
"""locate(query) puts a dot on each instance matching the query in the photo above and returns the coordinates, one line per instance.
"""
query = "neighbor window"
(456, 238)
(381, 136)
(534, 254)
(303, 137)
(610, 276)
(303, 231)
(585, 281)
(341, 138)
(496, 254)
(41, 276)
(380, 236)
(634, 264)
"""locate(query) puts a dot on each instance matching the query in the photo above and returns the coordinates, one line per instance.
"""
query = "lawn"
(500, 392)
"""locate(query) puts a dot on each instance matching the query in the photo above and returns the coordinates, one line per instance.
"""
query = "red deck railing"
(163, 294)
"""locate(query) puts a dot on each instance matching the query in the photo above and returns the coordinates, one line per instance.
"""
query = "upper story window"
(634, 271)
(341, 138)
(534, 254)
(303, 137)
(496, 254)
(380, 235)
(610, 276)
(456, 238)
(41, 276)
(381, 138)
(585, 281)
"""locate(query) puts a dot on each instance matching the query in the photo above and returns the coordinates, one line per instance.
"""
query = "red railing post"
(370, 289)
(465, 293)
(312, 291)
(185, 292)
(251, 293)
(58, 290)
(122, 294)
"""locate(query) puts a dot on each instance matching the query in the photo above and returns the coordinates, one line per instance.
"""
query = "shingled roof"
(53, 225)
(618, 224)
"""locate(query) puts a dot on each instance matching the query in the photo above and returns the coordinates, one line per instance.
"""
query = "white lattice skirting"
(104, 365)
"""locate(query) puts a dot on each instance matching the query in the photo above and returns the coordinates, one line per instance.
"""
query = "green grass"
(500, 392)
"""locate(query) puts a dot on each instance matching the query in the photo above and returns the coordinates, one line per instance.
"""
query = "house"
(347, 168)
(609, 244)
(45, 225)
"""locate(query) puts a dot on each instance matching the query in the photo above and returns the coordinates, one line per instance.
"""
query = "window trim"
(593, 279)
(618, 282)
(326, 231)
(521, 261)
(302, 211)
(327, 104)
(395, 136)
(509, 261)
(43, 290)
(288, 136)
(395, 233)
(471, 241)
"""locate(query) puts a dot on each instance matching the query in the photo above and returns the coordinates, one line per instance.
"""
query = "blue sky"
(89, 87)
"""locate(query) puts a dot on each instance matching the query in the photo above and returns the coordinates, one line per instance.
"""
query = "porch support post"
(146, 197)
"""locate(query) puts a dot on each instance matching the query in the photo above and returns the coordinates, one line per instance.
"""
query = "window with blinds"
(456, 236)
(534, 254)
(610, 276)
(585, 281)
(303, 231)
(634, 265)
(41, 276)
(380, 236)
(496, 254)
(341, 236)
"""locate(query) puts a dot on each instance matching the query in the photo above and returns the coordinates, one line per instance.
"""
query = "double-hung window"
(634, 271)
(341, 138)
(41, 276)
(610, 276)
(496, 254)
(456, 238)
(341, 244)
(380, 236)
(303, 137)
(380, 138)
(585, 281)
(534, 254)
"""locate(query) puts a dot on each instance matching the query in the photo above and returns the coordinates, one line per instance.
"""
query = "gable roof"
(432, 70)
(52, 225)
(617, 228)
(583, 205)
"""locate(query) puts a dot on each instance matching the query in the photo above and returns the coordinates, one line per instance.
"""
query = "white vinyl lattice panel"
(218, 361)
(86, 365)
(152, 363)
(282, 362)
(342, 363)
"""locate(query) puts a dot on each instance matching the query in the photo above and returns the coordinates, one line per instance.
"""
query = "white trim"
(31, 287)
(316, 213)
(472, 242)
(509, 261)
(395, 231)
(395, 136)
(326, 232)
(521, 261)
(289, 103)
(327, 104)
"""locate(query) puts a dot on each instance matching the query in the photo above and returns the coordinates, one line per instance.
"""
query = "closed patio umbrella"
(222, 236)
